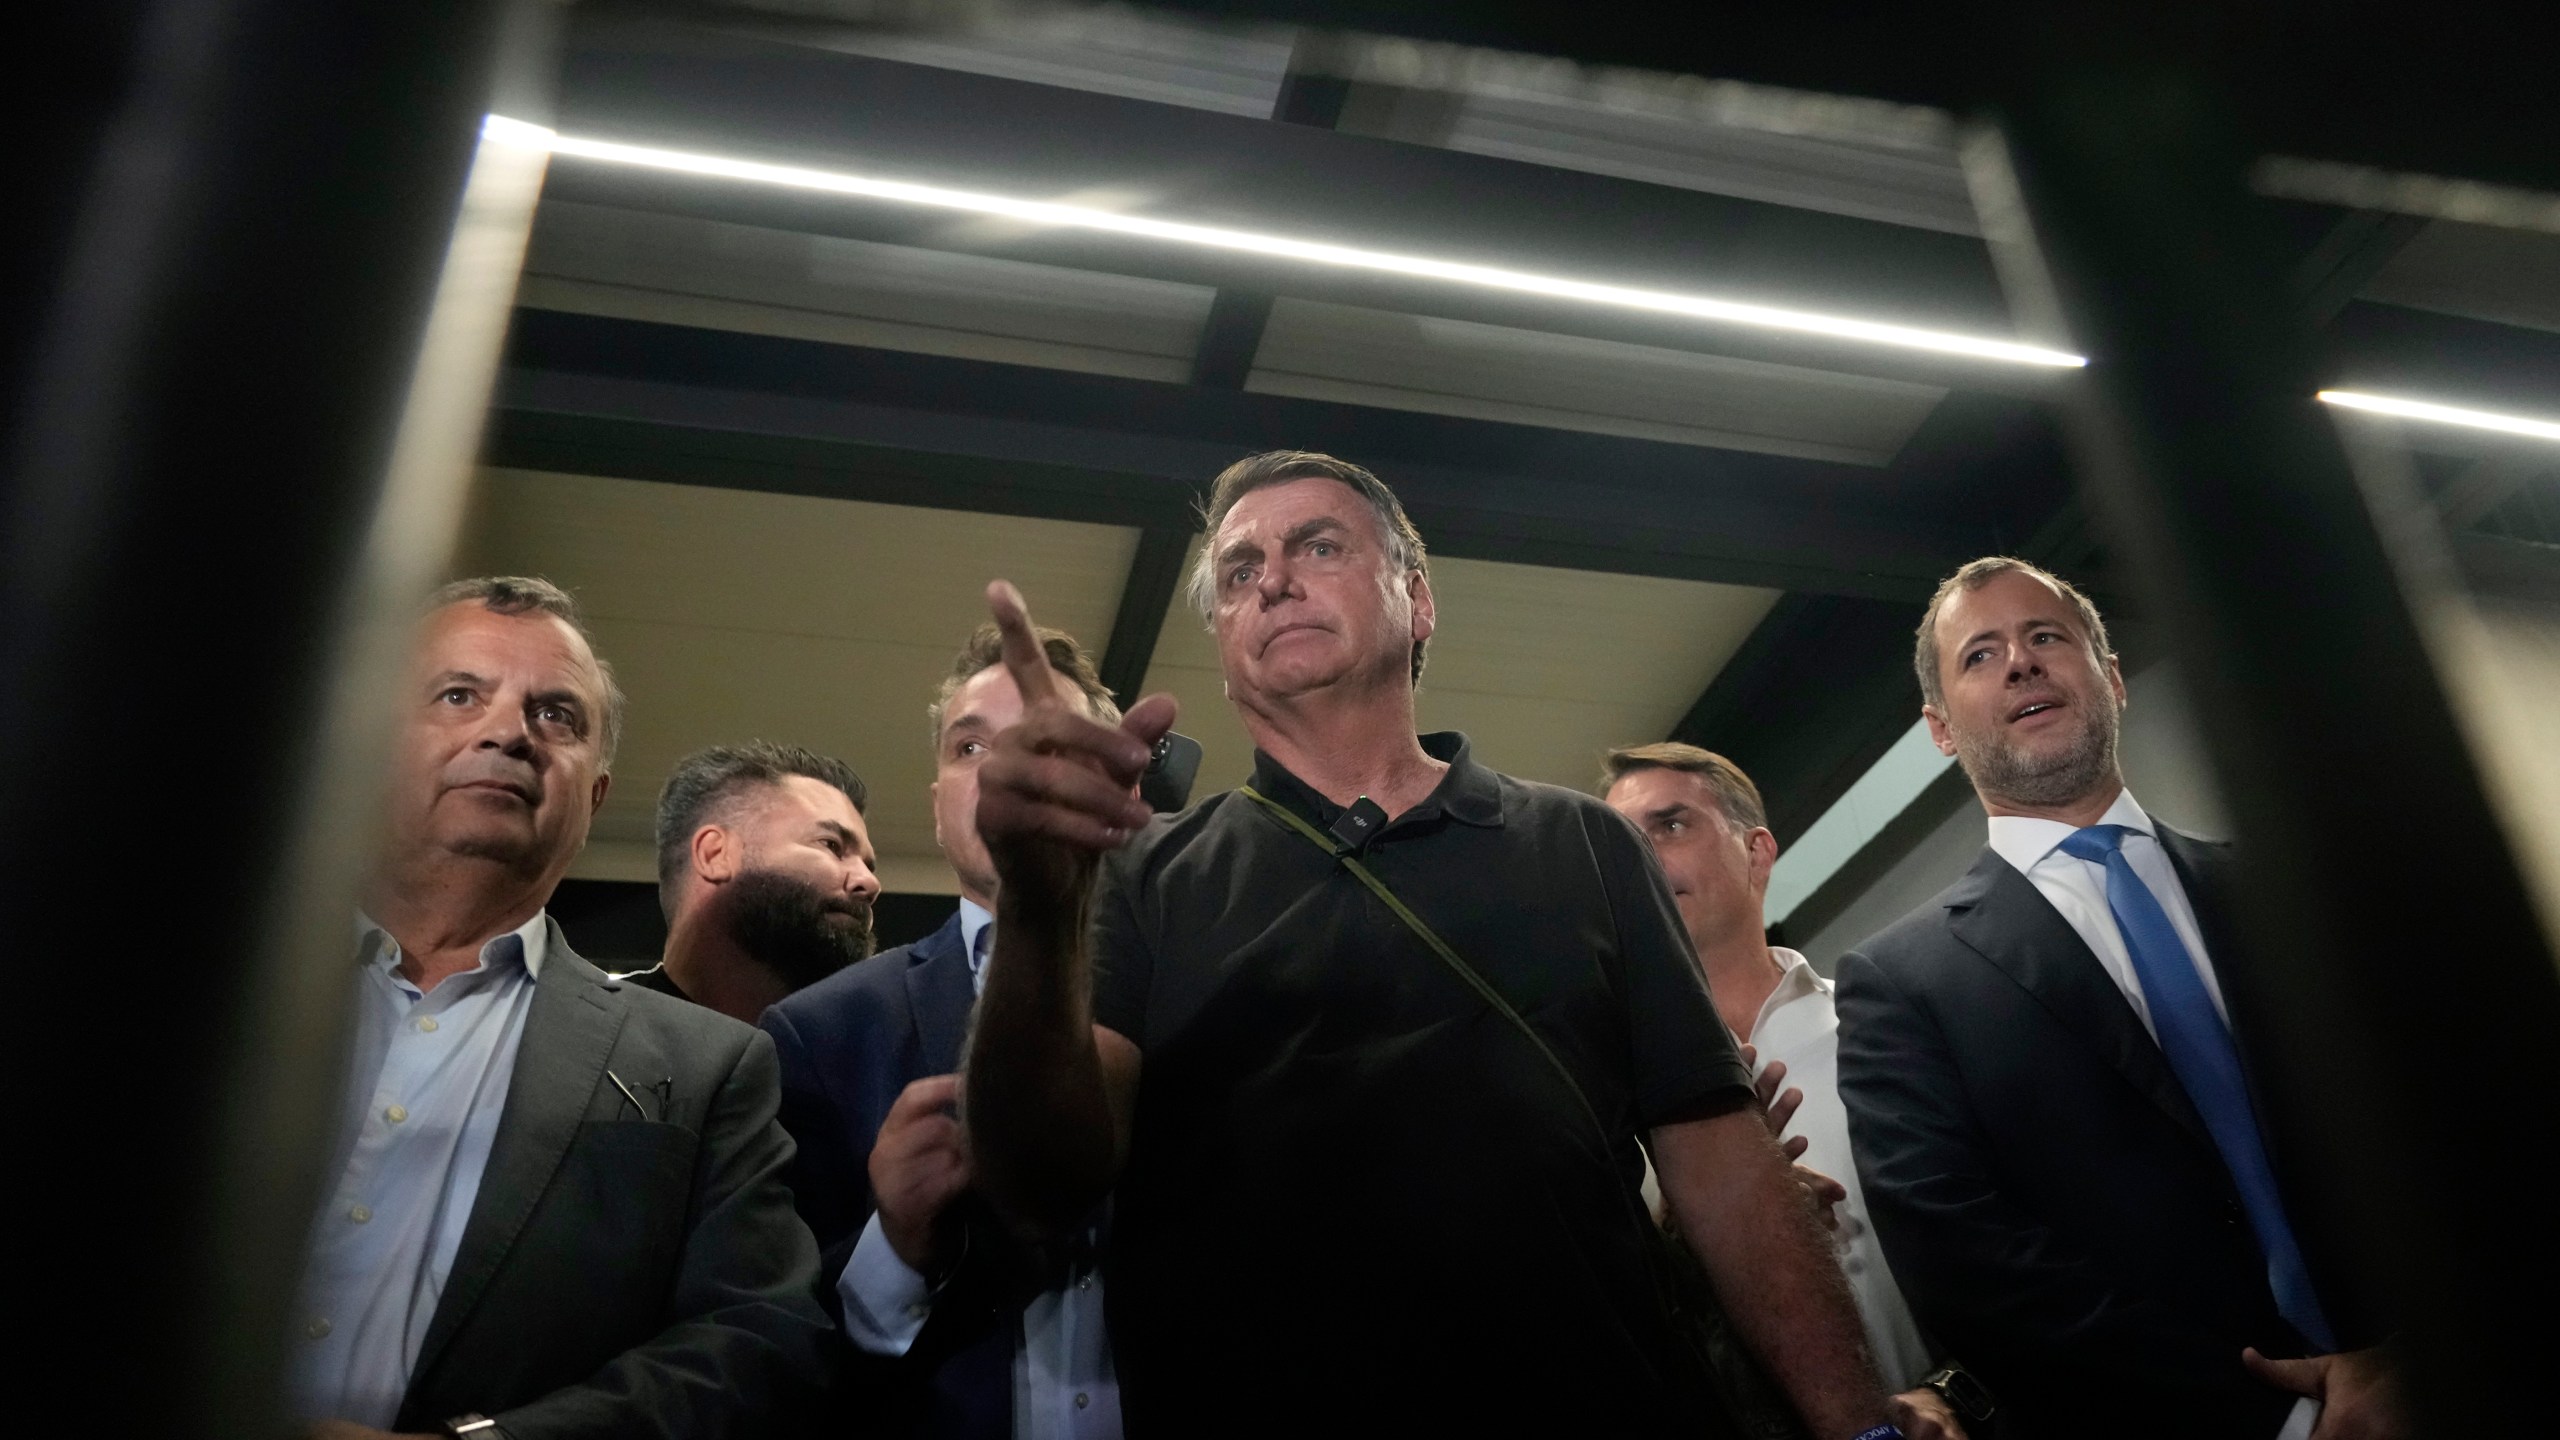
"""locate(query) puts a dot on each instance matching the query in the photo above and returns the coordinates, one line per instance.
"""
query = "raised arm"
(1046, 1093)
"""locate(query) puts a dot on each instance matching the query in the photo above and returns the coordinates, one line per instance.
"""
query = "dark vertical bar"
(2389, 921)
(1155, 576)
(240, 407)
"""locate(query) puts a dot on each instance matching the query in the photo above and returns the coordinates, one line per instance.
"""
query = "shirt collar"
(973, 919)
(2024, 841)
(1469, 792)
(1796, 980)
(529, 943)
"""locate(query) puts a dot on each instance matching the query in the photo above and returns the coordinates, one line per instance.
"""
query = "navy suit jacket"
(2045, 1190)
(848, 1045)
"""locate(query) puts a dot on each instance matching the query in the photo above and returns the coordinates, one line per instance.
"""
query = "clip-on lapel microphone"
(1359, 824)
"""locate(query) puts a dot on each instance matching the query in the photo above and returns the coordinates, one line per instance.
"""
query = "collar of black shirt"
(1469, 792)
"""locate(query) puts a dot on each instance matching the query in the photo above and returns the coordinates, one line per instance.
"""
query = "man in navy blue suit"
(956, 1333)
(2048, 1081)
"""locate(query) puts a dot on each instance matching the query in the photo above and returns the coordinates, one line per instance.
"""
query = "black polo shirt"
(1355, 1193)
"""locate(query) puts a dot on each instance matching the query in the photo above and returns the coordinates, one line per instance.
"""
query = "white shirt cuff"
(885, 1302)
(2298, 1425)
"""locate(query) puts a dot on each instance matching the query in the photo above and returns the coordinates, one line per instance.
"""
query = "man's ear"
(717, 856)
(2115, 677)
(1939, 734)
(1426, 611)
(1762, 847)
(603, 786)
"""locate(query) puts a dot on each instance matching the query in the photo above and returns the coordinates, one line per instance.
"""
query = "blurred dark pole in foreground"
(2391, 919)
(254, 323)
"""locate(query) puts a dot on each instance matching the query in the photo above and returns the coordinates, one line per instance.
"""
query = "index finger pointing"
(1024, 659)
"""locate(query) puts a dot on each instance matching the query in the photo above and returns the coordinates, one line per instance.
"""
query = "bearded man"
(2046, 1072)
(765, 874)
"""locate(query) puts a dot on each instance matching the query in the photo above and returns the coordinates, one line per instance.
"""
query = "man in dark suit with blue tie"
(2047, 1075)
(954, 1332)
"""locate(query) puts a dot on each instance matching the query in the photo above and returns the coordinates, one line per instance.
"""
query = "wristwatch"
(472, 1426)
(1965, 1395)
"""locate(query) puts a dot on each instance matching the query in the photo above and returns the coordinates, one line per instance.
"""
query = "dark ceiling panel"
(2445, 358)
(2452, 88)
(914, 123)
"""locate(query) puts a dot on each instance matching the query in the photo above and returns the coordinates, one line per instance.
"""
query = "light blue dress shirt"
(424, 1092)
(1064, 1387)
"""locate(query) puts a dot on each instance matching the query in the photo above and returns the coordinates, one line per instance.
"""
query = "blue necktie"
(2198, 1046)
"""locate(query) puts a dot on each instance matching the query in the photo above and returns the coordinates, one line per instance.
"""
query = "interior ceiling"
(777, 442)
(730, 615)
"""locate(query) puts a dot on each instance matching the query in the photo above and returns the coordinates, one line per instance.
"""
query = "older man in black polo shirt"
(1351, 1188)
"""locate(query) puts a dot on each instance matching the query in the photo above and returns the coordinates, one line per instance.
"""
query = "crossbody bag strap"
(1475, 979)
(1729, 1373)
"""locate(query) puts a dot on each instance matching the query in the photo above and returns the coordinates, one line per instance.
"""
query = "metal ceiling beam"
(1232, 334)
(650, 401)
(1155, 577)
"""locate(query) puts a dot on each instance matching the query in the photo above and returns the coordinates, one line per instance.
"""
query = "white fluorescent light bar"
(2444, 414)
(1081, 217)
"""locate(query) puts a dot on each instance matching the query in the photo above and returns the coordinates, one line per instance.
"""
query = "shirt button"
(1084, 1282)
(360, 1214)
(395, 1114)
(428, 1024)
(1082, 1399)
(317, 1329)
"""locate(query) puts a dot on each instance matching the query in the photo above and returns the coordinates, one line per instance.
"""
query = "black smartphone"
(1166, 787)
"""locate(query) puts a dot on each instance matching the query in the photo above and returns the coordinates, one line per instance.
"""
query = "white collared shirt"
(1798, 1026)
(425, 1088)
(2078, 889)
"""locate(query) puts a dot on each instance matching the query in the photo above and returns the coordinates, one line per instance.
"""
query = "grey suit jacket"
(629, 1273)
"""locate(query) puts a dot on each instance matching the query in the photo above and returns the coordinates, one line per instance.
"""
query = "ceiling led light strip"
(2444, 414)
(1080, 217)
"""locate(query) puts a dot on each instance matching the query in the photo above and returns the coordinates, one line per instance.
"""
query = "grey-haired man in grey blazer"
(557, 1205)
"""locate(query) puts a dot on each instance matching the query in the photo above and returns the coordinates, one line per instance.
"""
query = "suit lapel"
(2204, 871)
(1999, 913)
(568, 1034)
(940, 993)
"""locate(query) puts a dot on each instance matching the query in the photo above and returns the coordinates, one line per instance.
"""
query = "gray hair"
(1972, 576)
(1403, 543)
(706, 785)
(985, 651)
(527, 595)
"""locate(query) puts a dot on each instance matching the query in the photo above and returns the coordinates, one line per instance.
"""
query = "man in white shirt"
(2045, 1072)
(1707, 826)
